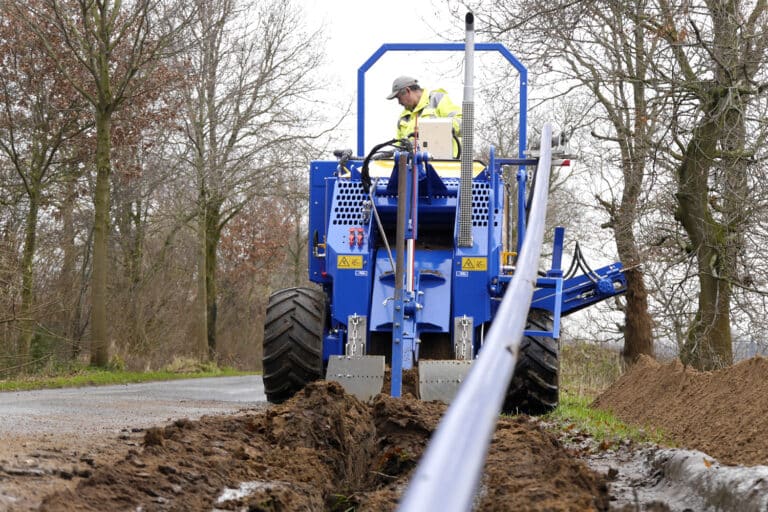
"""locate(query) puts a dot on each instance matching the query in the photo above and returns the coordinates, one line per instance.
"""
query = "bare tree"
(718, 52)
(249, 117)
(139, 143)
(576, 43)
(39, 114)
(117, 46)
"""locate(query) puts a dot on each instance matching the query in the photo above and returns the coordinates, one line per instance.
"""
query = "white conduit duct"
(449, 472)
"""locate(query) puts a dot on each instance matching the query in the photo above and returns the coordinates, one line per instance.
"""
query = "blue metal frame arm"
(582, 291)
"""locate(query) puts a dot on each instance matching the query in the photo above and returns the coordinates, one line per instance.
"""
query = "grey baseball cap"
(401, 83)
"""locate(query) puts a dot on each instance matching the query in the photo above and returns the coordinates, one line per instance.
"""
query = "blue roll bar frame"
(405, 47)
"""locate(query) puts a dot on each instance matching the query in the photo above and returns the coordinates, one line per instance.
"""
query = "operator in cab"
(419, 103)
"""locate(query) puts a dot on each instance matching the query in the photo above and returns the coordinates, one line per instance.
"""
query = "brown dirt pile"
(325, 450)
(723, 413)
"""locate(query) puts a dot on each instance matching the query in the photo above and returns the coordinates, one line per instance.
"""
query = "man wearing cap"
(420, 103)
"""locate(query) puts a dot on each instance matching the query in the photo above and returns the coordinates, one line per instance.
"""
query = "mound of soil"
(723, 413)
(325, 450)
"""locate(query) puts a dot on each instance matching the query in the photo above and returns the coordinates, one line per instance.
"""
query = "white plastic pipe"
(448, 474)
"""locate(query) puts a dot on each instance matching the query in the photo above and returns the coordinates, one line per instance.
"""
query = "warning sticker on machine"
(470, 264)
(349, 261)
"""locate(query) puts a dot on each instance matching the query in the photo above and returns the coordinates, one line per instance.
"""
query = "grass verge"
(588, 369)
(89, 376)
(574, 414)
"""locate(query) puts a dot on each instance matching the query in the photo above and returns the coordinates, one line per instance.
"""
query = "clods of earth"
(324, 450)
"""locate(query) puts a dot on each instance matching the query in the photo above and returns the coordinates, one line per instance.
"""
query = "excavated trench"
(325, 450)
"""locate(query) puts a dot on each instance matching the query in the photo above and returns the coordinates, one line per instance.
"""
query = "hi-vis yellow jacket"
(435, 103)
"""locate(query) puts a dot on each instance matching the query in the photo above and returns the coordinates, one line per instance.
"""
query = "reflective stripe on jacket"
(432, 104)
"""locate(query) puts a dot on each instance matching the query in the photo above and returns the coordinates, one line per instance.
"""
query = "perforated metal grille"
(346, 209)
(349, 197)
(480, 196)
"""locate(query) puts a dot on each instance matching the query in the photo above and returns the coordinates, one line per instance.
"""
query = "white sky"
(357, 28)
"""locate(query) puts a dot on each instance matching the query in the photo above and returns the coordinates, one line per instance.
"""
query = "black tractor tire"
(293, 341)
(534, 386)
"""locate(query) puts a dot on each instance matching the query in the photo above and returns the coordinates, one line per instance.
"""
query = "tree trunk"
(27, 323)
(708, 341)
(202, 295)
(68, 282)
(135, 267)
(212, 218)
(99, 326)
(73, 289)
(298, 251)
(638, 338)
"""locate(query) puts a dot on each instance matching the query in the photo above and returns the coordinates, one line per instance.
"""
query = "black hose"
(365, 175)
(529, 199)
(458, 144)
(579, 262)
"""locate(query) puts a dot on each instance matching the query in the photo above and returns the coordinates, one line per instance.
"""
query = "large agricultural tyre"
(293, 341)
(534, 386)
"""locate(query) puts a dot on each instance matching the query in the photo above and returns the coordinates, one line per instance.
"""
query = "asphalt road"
(110, 409)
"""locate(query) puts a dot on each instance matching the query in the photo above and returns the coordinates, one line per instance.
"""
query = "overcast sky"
(357, 28)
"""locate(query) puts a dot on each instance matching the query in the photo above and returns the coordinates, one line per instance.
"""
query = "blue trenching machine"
(426, 307)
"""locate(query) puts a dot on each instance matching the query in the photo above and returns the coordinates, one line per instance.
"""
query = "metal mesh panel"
(480, 199)
(346, 207)
(465, 189)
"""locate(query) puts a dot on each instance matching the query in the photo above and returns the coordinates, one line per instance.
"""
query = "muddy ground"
(325, 450)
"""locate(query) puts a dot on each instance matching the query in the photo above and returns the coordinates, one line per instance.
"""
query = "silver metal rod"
(378, 223)
(467, 137)
(400, 231)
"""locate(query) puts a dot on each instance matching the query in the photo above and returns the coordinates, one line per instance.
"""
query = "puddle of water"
(721, 487)
(650, 478)
(636, 485)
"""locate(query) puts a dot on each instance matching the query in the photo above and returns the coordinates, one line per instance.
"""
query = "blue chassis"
(347, 257)
(349, 260)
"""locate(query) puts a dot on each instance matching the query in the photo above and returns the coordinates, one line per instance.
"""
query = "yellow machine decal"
(349, 261)
(470, 264)
(444, 168)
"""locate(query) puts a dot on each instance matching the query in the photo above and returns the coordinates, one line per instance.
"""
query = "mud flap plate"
(440, 379)
(361, 376)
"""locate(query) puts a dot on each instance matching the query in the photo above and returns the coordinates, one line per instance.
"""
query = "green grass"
(574, 414)
(588, 369)
(89, 376)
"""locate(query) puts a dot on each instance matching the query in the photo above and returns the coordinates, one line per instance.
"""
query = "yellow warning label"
(349, 261)
(474, 264)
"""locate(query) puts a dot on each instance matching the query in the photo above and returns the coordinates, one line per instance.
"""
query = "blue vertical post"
(494, 204)
(521, 179)
(557, 253)
(556, 273)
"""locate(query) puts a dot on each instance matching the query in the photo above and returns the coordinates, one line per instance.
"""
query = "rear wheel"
(534, 387)
(293, 341)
